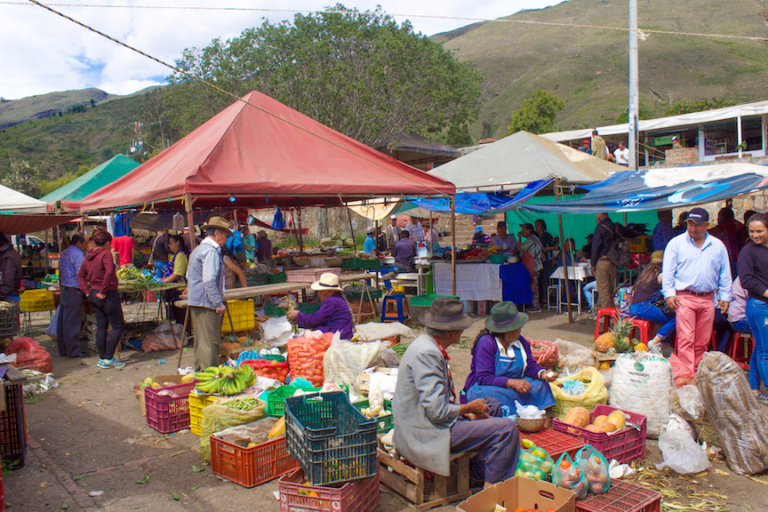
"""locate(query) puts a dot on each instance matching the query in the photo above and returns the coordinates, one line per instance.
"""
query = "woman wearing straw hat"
(334, 313)
(502, 363)
(646, 295)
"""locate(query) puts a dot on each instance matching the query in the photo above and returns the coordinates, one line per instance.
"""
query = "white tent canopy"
(12, 201)
(519, 159)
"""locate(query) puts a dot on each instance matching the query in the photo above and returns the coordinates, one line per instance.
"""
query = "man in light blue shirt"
(205, 278)
(369, 246)
(69, 320)
(695, 267)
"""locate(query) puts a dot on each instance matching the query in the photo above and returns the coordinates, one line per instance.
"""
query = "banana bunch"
(225, 379)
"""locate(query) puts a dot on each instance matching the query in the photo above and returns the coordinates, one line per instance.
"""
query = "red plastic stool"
(645, 328)
(745, 342)
(606, 316)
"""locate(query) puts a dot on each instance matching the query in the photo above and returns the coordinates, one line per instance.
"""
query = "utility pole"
(633, 85)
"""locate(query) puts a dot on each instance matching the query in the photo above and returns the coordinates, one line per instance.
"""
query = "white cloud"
(43, 52)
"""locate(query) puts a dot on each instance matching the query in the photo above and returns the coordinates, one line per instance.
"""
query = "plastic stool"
(646, 329)
(394, 308)
(747, 344)
(607, 316)
(556, 289)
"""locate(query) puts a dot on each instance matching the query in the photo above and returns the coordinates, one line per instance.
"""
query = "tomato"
(519, 509)
(550, 510)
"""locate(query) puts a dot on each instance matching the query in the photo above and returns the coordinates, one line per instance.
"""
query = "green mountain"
(43, 106)
(588, 67)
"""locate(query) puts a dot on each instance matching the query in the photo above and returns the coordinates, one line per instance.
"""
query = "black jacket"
(10, 272)
(605, 232)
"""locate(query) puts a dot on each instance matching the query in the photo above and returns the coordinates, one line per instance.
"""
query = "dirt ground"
(88, 437)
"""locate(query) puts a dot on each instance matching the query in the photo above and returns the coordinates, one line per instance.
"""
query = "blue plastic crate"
(330, 438)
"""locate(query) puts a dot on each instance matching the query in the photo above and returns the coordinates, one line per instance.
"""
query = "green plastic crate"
(305, 307)
(258, 279)
(384, 423)
(425, 301)
(278, 278)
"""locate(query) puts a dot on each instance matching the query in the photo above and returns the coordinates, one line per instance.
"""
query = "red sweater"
(98, 270)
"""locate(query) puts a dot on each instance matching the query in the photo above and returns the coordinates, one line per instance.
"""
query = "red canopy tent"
(260, 153)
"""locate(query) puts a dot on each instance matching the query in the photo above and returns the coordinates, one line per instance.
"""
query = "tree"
(22, 177)
(360, 73)
(537, 113)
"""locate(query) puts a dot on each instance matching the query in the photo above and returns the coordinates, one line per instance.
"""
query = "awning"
(17, 224)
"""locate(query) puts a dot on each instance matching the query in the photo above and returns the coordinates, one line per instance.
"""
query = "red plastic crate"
(621, 497)
(358, 496)
(168, 412)
(250, 467)
(554, 443)
(624, 445)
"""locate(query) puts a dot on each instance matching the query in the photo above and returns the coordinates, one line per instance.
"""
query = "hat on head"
(505, 317)
(674, 137)
(327, 281)
(262, 234)
(218, 223)
(698, 215)
(393, 217)
(657, 256)
(479, 228)
(370, 229)
(446, 314)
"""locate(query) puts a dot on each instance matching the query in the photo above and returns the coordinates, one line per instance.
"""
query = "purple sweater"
(483, 367)
(333, 315)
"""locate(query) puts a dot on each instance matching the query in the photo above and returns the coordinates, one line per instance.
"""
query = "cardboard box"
(520, 492)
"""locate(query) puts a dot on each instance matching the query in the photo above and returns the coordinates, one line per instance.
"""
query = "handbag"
(661, 303)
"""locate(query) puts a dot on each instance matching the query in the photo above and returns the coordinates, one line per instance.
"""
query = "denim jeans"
(648, 311)
(587, 292)
(757, 316)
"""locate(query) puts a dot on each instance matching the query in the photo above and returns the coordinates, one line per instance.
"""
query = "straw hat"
(327, 281)
(218, 223)
(505, 317)
(446, 314)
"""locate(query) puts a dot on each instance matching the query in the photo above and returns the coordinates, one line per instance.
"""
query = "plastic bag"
(306, 353)
(217, 417)
(595, 468)
(162, 338)
(686, 402)
(594, 393)
(641, 382)
(30, 354)
(735, 413)
(51, 330)
(545, 353)
(344, 360)
(568, 475)
(677, 422)
(681, 453)
(276, 331)
(572, 355)
(534, 463)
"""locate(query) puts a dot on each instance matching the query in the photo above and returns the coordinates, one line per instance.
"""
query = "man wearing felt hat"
(205, 278)
(334, 314)
(503, 366)
(394, 233)
(695, 270)
(430, 423)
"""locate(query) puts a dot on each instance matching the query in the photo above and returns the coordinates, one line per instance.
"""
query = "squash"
(600, 420)
(618, 418)
(605, 365)
(607, 427)
(578, 417)
(277, 429)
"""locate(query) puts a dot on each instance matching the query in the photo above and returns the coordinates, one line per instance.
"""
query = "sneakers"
(533, 309)
(110, 363)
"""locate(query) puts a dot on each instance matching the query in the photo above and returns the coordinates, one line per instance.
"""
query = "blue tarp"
(479, 202)
(663, 188)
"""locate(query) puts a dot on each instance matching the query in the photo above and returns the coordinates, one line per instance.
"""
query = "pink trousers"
(695, 317)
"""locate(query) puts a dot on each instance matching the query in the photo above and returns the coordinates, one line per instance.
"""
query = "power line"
(401, 15)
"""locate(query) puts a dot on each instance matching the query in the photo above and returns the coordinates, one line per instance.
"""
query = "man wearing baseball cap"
(695, 268)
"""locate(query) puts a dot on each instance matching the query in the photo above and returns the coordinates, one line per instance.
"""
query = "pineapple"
(605, 342)
(622, 330)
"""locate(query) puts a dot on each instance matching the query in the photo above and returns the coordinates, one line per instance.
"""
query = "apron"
(512, 366)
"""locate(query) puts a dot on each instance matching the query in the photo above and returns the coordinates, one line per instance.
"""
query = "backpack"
(618, 252)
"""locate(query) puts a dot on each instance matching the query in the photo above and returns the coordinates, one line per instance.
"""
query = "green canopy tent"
(101, 175)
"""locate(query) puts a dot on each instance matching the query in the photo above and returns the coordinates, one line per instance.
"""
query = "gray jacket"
(422, 410)
(205, 276)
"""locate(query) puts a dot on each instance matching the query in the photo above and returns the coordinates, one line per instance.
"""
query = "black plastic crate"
(9, 319)
(13, 439)
(330, 438)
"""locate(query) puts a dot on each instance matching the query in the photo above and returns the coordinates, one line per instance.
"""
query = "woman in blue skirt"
(503, 366)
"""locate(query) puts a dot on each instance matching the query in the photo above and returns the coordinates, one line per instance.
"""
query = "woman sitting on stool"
(647, 290)
(503, 366)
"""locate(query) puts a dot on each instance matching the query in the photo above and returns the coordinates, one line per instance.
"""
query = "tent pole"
(351, 229)
(430, 233)
(453, 245)
(46, 251)
(562, 256)
(190, 222)
(299, 235)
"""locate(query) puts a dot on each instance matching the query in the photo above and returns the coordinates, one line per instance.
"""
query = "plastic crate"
(624, 445)
(307, 275)
(276, 399)
(250, 467)
(331, 439)
(280, 277)
(358, 496)
(383, 423)
(554, 443)
(258, 279)
(197, 403)
(361, 264)
(425, 301)
(622, 497)
(168, 408)
(304, 307)
(13, 428)
(9, 318)
(37, 300)
(243, 316)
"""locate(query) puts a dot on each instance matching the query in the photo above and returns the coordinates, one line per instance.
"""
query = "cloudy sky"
(41, 52)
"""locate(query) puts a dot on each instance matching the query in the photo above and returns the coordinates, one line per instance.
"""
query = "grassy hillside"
(44, 105)
(59, 145)
(587, 67)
